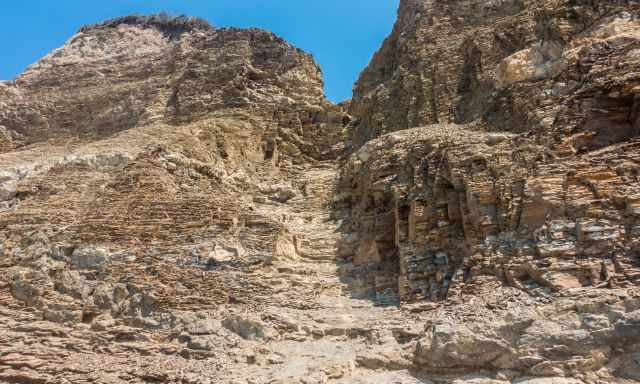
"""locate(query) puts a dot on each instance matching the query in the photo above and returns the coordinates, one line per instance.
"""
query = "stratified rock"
(180, 203)
(551, 380)
(459, 61)
(8, 190)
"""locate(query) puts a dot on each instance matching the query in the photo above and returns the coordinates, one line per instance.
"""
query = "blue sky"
(341, 34)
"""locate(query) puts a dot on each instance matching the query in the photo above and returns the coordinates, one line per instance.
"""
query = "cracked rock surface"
(180, 203)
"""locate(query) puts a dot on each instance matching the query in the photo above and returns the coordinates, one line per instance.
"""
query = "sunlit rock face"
(154, 170)
(529, 175)
(136, 71)
(495, 61)
(495, 151)
(179, 203)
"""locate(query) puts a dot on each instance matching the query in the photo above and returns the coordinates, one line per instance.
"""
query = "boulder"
(90, 258)
(534, 63)
(8, 190)
(248, 328)
(454, 345)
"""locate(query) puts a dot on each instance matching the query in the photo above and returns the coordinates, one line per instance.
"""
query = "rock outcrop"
(154, 170)
(524, 182)
(517, 65)
(556, 189)
(138, 71)
(180, 203)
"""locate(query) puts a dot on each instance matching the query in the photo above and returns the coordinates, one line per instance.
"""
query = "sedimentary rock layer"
(180, 203)
(495, 147)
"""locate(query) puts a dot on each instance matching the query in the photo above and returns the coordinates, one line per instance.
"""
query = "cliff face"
(155, 171)
(131, 72)
(525, 181)
(177, 204)
(562, 104)
(132, 130)
(459, 61)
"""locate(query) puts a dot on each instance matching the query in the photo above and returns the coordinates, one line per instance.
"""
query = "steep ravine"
(181, 204)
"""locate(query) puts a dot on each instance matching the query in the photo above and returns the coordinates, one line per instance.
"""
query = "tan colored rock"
(286, 247)
(8, 190)
(182, 204)
(552, 380)
(535, 63)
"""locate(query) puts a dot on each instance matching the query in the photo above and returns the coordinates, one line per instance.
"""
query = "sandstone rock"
(73, 284)
(203, 327)
(552, 380)
(249, 329)
(381, 359)
(103, 323)
(478, 380)
(453, 345)
(285, 247)
(628, 326)
(192, 209)
(535, 63)
(104, 297)
(23, 375)
(205, 343)
(61, 314)
(399, 377)
(283, 194)
(25, 288)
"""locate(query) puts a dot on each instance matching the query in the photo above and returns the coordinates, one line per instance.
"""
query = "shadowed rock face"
(180, 203)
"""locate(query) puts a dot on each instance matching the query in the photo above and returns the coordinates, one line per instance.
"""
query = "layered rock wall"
(179, 203)
(441, 206)
(551, 199)
(458, 61)
(131, 72)
(154, 140)
(495, 171)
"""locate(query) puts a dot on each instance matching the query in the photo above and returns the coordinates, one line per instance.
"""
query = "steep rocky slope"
(149, 175)
(459, 61)
(526, 182)
(181, 204)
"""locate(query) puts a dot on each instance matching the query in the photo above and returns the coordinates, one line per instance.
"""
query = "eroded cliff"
(180, 203)
(525, 181)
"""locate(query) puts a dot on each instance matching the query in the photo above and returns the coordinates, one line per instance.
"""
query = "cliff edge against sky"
(180, 203)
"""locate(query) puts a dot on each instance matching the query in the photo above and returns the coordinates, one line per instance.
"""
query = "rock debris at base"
(180, 203)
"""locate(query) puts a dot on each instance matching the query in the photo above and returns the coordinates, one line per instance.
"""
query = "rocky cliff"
(495, 154)
(542, 160)
(460, 61)
(180, 203)
(154, 170)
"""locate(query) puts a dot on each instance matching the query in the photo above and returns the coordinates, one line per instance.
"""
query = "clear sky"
(341, 34)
